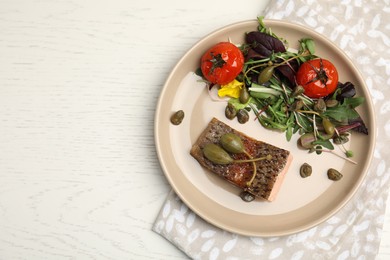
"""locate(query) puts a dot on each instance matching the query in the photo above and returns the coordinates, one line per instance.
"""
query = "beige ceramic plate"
(301, 203)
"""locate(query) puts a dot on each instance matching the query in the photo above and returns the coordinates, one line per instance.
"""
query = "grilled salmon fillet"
(270, 173)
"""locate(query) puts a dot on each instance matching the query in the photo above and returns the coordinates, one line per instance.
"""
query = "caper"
(230, 111)
(331, 103)
(242, 116)
(177, 117)
(232, 143)
(244, 95)
(247, 196)
(265, 75)
(216, 154)
(328, 126)
(305, 170)
(320, 105)
(298, 90)
(297, 105)
(334, 175)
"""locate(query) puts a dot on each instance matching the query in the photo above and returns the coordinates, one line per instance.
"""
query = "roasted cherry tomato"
(318, 77)
(222, 63)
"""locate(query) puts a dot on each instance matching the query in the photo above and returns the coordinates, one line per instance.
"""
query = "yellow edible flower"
(232, 89)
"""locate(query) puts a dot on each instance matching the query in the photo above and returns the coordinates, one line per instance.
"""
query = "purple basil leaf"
(361, 128)
(346, 90)
(286, 72)
(253, 55)
(289, 72)
(264, 44)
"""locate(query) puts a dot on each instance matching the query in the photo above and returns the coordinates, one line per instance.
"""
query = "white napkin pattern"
(362, 29)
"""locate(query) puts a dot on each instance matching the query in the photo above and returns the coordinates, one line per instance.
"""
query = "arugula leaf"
(353, 102)
(289, 132)
(341, 113)
(270, 123)
(304, 122)
(306, 44)
(238, 105)
(290, 126)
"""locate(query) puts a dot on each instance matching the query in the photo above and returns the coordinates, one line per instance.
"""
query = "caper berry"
(244, 95)
(328, 126)
(265, 75)
(242, 116)
(334, 175)
(305, 170)
(230, 111)
(177, 117)
(247, 196)
(216, 154)
(232, 143)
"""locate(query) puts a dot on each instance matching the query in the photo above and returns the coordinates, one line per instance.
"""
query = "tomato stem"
(217, 61)
(321, 74)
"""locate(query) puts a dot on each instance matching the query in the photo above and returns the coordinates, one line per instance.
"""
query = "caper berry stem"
(267, 157)
(274, 65)
(347, 152)
(233, 144)
(254, 170)
(308, 112)
(249, 183)
(332, 152)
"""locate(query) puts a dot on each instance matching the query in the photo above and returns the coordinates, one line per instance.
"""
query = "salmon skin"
(270, 173)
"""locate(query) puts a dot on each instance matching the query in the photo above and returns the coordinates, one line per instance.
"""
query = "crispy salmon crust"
(270, 173)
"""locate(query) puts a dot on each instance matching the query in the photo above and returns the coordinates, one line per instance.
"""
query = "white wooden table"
(79, 82)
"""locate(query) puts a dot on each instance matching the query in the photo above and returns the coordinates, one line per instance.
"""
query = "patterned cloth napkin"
(362, 29)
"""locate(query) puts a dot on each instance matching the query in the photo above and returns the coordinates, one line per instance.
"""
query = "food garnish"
(231, 89)
(305, 170)
(319, 78)
(334, 174)
(295, 92)
(222, 63)
(247, 196)
(254, 166)
(177, 117)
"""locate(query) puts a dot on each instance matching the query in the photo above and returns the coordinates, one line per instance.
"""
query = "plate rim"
(371, 114)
